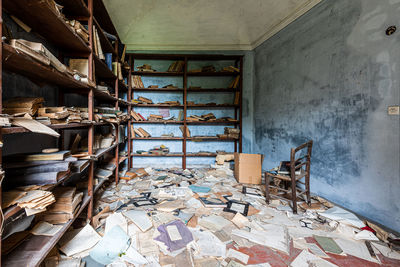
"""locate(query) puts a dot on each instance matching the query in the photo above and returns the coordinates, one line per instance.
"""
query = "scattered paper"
(238, 255)
(84, 240)
(114, 243)
(139, 218)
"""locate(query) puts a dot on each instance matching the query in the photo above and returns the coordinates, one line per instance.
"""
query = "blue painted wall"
(330, 76)
(219, 98)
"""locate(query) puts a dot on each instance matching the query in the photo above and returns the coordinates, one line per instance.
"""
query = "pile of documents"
(66, 205)
(232, 133)
(110, 114)
(137, 81)
(33, 201)
(38, 169)
(205, 117)
(203, 217)
(23, 105)
(157, 150)
(176, 66)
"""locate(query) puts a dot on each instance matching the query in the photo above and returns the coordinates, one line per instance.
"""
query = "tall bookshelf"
(184, 92)
(44, 21)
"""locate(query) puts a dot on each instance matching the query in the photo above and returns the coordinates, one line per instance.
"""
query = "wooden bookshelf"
(184, 75)
(50, 26)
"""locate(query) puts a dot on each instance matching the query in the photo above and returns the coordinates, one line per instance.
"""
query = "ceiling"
(202, 24)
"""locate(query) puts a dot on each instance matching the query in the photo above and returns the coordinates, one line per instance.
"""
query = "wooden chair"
(301, 165)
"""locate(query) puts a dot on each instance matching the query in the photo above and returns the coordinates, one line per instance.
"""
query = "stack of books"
(65, 207)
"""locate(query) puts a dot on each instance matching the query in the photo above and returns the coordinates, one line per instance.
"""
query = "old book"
(182, 128)
(100, 50)
(21, 47)
(53, 112)
(61, 155)
(145, 100)
(28, 105)
(144, 133)
(66, 205)
(40, 48)
(236, 101)
(138, 133)
(103, 174)
(34, 126)
(231, 69)
(79, 65)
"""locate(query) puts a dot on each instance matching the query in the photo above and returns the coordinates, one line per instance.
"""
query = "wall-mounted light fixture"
(391, 30)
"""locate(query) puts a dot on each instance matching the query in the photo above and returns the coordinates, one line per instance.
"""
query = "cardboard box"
(248, 168)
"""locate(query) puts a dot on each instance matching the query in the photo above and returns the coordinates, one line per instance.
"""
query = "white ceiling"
(202, 24)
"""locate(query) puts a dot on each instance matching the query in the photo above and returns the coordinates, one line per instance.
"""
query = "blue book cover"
(108, 57)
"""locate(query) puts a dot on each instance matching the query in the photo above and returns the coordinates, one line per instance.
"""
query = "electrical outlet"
(394, 110)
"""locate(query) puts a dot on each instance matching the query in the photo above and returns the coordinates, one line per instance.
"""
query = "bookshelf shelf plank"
(157, 106)
(157, 138)
(157, 122)
(15, 130)
(157, 73)
(210, 139)
(74, 8)
(153, 155)
(158, 90)
(218, 73)
(33, 250)
(24, 65)
(43, 19)
(201, 155)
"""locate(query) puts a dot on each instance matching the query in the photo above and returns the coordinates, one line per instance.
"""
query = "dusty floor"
(159, 220)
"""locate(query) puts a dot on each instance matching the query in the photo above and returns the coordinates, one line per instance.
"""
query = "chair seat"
(287, 177)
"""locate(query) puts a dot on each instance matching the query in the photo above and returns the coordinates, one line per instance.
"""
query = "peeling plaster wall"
(330, 77)
(219, 98)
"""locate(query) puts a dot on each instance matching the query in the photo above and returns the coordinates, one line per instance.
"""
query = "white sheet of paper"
(45, 228)
(238, 207)
(238, 255)
(140, 219)
(84, 240)
(366, 235)
(134, 257)
(116, 219)
(342, 215)
(316, 250)
(305, 258)
(355, 248)
(208, 243)
(386, 251)
(173, 232)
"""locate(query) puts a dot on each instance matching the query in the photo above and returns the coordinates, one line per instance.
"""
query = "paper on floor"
(208, 244)
(341, 215)
(114, 220)
(114, 243)
(305, 259)
(139, 218)
(84, 240)
(355, 248)
(238, 255)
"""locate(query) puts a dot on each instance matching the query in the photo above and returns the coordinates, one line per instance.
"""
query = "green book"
(328, 244)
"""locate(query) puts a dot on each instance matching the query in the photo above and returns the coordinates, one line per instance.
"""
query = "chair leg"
(267, 187)
(308, 190)
(294, 197)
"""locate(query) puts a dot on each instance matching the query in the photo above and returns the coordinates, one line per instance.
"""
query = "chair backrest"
(300, 158)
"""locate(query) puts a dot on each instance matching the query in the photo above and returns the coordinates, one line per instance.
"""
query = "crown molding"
(285, 22)
(188, 47)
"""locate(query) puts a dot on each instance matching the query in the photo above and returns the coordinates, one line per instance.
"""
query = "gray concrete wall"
(219, 98)
(330, 76)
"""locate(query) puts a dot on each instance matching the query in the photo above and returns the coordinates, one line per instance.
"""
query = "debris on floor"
(204, 217)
